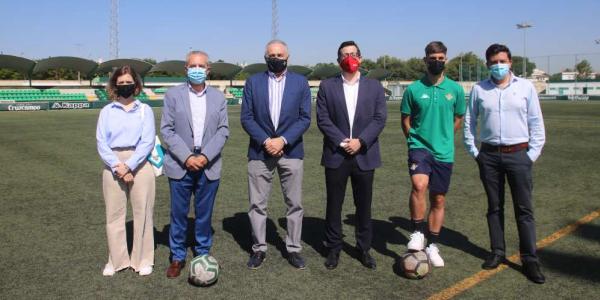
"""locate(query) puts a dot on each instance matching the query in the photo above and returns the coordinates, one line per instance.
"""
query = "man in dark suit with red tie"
(351, 113)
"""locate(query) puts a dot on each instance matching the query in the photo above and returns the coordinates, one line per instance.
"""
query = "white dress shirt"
(506, 116)
(198, 109)
(276, 87)
(351, 95)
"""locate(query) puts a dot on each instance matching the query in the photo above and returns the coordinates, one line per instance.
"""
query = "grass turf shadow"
(239, 227)
(312, 233)
(162, 237)
(589, 231)
(580, 266)
(384, 232)
(450, 238)
(583, 267)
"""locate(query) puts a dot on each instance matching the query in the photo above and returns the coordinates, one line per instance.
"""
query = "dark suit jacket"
(294, 118)
(369, 120)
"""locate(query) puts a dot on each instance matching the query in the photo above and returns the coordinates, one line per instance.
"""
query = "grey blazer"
(177, 133)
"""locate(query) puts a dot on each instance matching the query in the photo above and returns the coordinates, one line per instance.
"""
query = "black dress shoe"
(493, 261)
(256, 260)
(531, 269)
(368, 261)
(332, 260)
(296, 260)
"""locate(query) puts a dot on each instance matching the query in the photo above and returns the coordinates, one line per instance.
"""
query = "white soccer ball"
(416, 265)
(204, 270)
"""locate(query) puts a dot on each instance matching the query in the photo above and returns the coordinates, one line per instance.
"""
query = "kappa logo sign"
(70, 105)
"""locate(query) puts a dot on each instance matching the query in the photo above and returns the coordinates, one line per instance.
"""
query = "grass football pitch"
(53, 240)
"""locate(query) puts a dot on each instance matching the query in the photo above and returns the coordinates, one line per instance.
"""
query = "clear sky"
(236, 31)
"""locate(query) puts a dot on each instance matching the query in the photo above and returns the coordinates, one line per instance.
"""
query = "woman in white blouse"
(125, 136)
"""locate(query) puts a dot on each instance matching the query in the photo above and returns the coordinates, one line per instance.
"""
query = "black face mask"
(435, 67)
(125, 90)
(276, 65)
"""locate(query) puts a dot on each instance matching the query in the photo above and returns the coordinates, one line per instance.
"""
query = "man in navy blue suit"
(351, 113)
(275, 114)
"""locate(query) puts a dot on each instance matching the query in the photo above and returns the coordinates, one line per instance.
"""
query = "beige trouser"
(141, 194)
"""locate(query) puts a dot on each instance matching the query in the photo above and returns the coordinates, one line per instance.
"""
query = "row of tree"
(583, 69)
(465, 67)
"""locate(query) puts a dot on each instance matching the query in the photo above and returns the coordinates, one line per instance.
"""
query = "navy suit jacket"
(369, 120)
(294, 118)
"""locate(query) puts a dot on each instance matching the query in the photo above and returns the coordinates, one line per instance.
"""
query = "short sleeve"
(460, 106)
(405, 106)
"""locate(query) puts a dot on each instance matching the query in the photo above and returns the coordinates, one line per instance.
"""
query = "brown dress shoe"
(174, 269)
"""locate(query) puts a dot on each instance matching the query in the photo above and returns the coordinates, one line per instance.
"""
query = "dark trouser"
(362, 190)
(494, 168)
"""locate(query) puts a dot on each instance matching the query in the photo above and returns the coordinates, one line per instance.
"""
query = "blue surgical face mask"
(499, 71)
(196, 75)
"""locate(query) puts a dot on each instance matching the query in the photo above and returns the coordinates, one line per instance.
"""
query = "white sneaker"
(108, 270)
(417, 241)
(434, 255)
(145, 271)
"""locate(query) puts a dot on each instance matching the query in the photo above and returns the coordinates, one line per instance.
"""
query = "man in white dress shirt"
(512, 135)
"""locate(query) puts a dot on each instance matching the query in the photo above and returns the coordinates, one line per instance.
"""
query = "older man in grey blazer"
(194, 127)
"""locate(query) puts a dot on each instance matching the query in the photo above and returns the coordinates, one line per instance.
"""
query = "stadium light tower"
(524, 26)
(274, 20)
(113, 39)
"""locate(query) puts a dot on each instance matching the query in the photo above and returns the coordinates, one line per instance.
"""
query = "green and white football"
(204, 270)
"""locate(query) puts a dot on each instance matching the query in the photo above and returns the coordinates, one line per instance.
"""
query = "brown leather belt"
(504, 148)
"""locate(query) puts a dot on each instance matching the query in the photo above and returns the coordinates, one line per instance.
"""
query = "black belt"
(197, 150)
(123, 148)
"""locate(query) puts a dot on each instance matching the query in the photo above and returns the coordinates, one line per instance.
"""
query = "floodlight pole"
(575, 82)
(274, 20)
(524, 26)
(549, 73)
(460, 68)
(114, 29)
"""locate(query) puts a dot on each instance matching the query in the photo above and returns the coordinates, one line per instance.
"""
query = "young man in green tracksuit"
(432, 110)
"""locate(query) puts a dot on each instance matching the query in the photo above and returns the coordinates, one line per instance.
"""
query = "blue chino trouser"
(204, 191)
